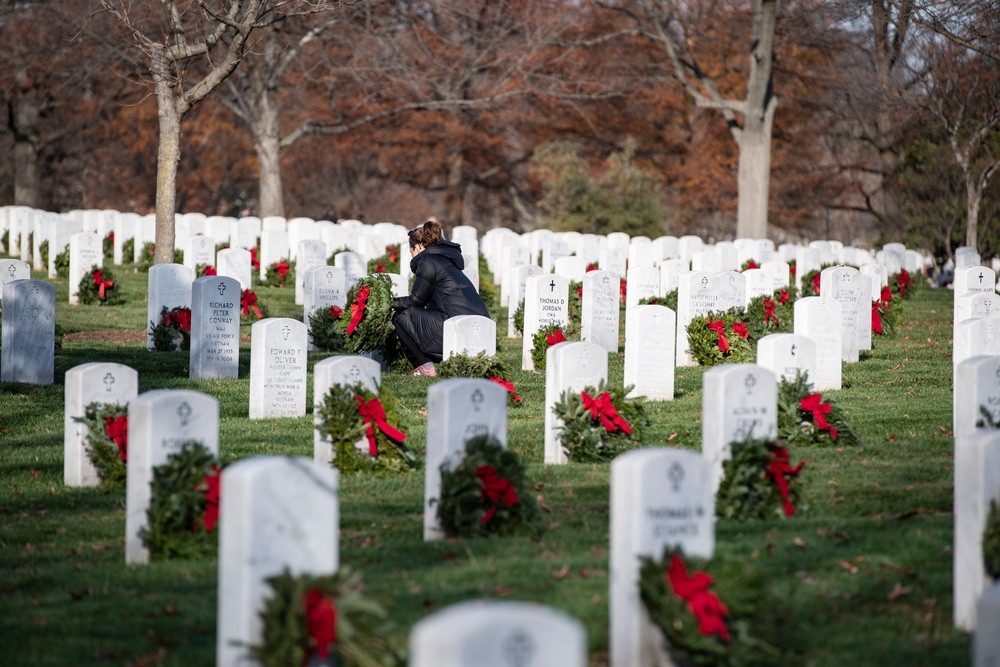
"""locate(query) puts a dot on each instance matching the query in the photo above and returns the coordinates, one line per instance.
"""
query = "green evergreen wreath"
(488, 293)
(902, 284)
(670, 300)
(705, 343)
(331, 257)
(249, 314)
(362, 628)
(108, 246)
(89, 290)
(274, 277)
(62, 263)
(176, 517)
(345, 427)
(375, 328)
(991, 542)
(478, 366)
(108, 457)
(389, 260)
(746, 492)
(754, 633)
(128, 251)
(890, 313)
(585, 438)
(327, 330)
(519, 317)
(43, 251)
(782, 317)
(463, 508)
(146, 257)
(797, 426)
(540, 342)
(171, 333)
(575, 303)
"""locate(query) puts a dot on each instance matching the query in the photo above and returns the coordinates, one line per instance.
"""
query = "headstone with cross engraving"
(660, 498)
(273, 249)
(215, 328)
(512, 256)
(977, 483)
(599, 313)
(516, 280)
(757, 284)
(277, 368)
(786, 354)
(235, 263)
(732, 290)
(643, 282)
(276, 512)
(104, 383)
(27, 349)
(843, 284)
(972, 279)
(966, 256)
(354, 265)
(324, 289)
(977, 304)
(613, 258)
(976, 394)
(86, 253)
(13, 269)
(975, 336)
(311, 253)
(649, 352)
(469, 335)
(739, 401)
(457, 409)
(697, 295)
(159, 423)
(340, 370)
(778, 274)
(546, 301)
(570, 366)
(498, 633)
(169, 286)
(199, 249)
(670, 274)
(819, 318)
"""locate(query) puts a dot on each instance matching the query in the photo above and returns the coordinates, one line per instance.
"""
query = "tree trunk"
(890, 195)
(267, 142)
(167, 158)
(26, 146)
(754, 176)
(972, 199)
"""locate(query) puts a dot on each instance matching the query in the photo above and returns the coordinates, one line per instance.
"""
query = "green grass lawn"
(865, 570)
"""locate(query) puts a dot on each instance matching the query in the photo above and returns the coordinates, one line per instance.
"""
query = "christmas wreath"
(718, 338)
(43, 251)
(991, 542)
(350, 414)
(99, 286)
(108, 246)
(886, 314)
(811, 283)
(62, 263)
(327, 330)
(710, 619)
(488, 293)
(184, 505)
(598, 424)
(389, 262)
(368, 323)
(575, 303)
(146, 257)
(755, 482)
(749, 264)
(487, 493)
(173, 332)
(806, 417)
(902, 284)
(128, 250)
(324, 619)
(545, 338)
(670, 300)
(106, 441)
(203, 270)
(331, 257)
(280, 274)
(251, 308)
(769, 314)
(519, 317)
(479, 366)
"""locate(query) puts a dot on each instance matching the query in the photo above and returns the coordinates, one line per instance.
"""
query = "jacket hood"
(450, 251)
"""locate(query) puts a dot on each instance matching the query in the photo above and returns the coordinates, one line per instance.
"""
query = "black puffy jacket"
(440, 290)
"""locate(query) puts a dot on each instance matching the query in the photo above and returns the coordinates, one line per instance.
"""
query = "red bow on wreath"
(740, 330)
(784, 296)
(321, 619)
(282, 270)
(904, 282)
(212, 491)
(254, 262)
(811, 403)
(248, 300)
(705, 606)
(117, 430)
(556, 337)
(815, 283)
(791, 270)
(372, 411)
(506, 384)
(778, 470)
(495, 490)
(602, 408)
(579, 291)
(101, 283)
(358, 309)
(591, 267)
(624, 289)
(210, 271)
(181, 316)
(752, 265)
(380, 268)
(393, 253)
(886, 296)
(336, 311)
(769, 307)
(876, 318)
(719, 327)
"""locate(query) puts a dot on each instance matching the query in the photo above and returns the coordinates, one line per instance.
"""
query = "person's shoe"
(427, 370)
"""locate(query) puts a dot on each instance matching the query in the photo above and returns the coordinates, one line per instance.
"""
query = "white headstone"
(215, 328)
(732, 290)
(649, 352)
(470, 335)
(613, 259)
(599, 313)
(977, 387)
(169, 286)
(86, 253)
(354, 265)
(697, 295)
(516, 281)
(670, 275)
(311, 253)
(546, 301)
(643, 282)
(199, 249)
(572, 268)
(13, 269)
(570, 366)
(778, 273)
(843, 284)
(819, 318)
(235, 263)
(986, 642)
(277, 368)
(786, 354)
(273, 248)
(975, 337)
(339, 370)
(27, 344)
(977, 482)
(513, 256)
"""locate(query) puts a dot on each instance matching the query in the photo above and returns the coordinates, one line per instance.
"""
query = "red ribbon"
(506, 384)
(904, 282)
(783, 296)
(591, 267)
(624, 288)
(374, 415)
(778, 470)
(358, 309)
(117, 430)
(602, 408)
(579, 290)
(811, 403)
(336, 311)
(321, 619)
(752, 265)
(876, 318)
(282, 269)
(111, 237)
(556, 337)
(740, 330)
(886, 296)
(380, 268)
(495, 490)
(101, 283)
(213, 489)
(181, 316)
(393, 252)
(254, 262)
(769, 307)
(210, 271)
(719, 327)
(705, 606)
(791, 269)
(248, 300)
(815, 282)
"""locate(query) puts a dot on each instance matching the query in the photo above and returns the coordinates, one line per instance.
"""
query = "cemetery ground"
(864, 570)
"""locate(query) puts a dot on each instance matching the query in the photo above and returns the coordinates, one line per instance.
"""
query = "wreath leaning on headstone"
(599, 424)
(480, 366)
(886, 314)
(183, 508)
(758, 482)
(806, 417)
(487, 493)
(767, 315)
(62, 263)
(991, 541)
(99, 286)
(280, 274)
(385, 263)
(252, 309)
(368, 320)
(106, 441)
(711, 617)
(546, 337)
(324, 620)
(128, 250)
(351, 414)
(519, 317)
(327, 330)
(719, 338)
(670, 300)
(173, 332)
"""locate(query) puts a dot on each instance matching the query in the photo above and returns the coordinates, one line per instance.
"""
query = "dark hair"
(426, 234)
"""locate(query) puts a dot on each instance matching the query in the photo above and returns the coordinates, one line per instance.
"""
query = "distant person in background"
(440, 290)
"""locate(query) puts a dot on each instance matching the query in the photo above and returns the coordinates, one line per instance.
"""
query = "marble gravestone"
(757, 284)
(787, 354)
(199, 249)
(697, 295)
(569, 366)
(339, 370)
(599, 309)
(105, 383)
(613, 259)
(311, 254)
(986, 643)
(649, 352)
(976, 388)
(512, 256)
(739, 401)
(977, 304)
(974, 337)
(660, 498)
(235, 263)
(28, 340)
(86, 253)
(546, 302)
(643, 282)
(732, 290)
(458, 409)
(354, 265)
(159, 423)
(11, 270)
(498, 633)
(778, 273)
(60, 232)
(864, 314)
(515, 281)
(125, 229)
(670, 275)
(469, 335)
(819, 318)
(573, 268)
(273, 248)
(276, 513)
(215, 328)
(844, 284)
(277, 368)
(169, 287)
